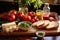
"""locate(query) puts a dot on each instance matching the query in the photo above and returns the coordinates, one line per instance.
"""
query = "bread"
(38, 24)
(52, 24)
(46, 23)
(35, 24)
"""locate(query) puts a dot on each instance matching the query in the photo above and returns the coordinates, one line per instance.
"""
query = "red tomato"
(11, 17)
(32, 14)
(36, 19)
(20, 15)
(28, 18)
(32, 20)
(24, 18)
(13, 12)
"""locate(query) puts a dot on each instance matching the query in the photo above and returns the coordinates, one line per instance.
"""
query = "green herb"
(41, 34)
(23, 2)
(24, 24)
(36, 3)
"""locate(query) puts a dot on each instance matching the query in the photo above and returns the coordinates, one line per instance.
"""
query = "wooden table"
(32, 32)
(19, 35)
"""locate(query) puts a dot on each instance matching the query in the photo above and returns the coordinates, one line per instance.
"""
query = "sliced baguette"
(46, 23)
(38, 24)
(52, 24)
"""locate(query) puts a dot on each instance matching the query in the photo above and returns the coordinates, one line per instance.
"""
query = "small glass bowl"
(23, 28)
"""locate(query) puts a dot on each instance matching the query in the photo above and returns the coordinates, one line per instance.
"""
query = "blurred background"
(6, 5)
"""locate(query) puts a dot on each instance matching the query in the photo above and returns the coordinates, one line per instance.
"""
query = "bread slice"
(52, 24)
(38, 24)
(35, 24)
(46, 23)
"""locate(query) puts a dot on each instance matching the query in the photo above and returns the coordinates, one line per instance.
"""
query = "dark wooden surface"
(31, 32)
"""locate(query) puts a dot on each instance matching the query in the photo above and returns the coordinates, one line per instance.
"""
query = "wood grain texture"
(30, 32)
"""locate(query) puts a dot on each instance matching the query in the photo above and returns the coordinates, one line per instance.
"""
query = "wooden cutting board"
(32, 32)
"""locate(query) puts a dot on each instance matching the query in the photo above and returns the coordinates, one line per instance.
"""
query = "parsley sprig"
(36, 3)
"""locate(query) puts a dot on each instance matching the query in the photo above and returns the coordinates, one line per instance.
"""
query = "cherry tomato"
(32, 14)
(24, 18)
(11, 17)
(32, 20)
(36, 19)
(13, 12)
(28, 18)
(20, 15)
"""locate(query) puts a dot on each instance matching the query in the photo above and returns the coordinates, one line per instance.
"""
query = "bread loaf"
(52, 24)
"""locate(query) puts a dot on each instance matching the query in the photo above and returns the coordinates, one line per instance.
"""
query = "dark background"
(6, 6)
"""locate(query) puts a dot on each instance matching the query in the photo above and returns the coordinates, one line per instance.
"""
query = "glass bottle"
(46, 11)
(46, 8)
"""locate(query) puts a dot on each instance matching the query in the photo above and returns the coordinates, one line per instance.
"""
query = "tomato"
(11, 17)
(20, 15)
(24, 18)
(13, 12)
(32, 20)
(28, 18)
(36, 19)
(32, 14)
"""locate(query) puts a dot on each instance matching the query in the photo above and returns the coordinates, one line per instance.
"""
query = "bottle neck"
(46, 8)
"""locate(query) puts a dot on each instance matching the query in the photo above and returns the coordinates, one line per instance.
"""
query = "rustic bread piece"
(46, 23)
(35, 24)
(52, 24)
(38, 24)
